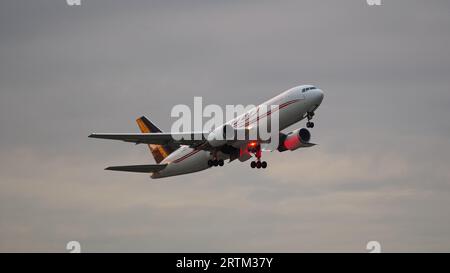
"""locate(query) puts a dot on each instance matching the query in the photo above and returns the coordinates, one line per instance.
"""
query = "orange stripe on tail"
(159, 152)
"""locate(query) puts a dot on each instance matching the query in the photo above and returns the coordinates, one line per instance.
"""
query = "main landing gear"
(309, 116)
(258, 164)
(215, 163)
(256, 149)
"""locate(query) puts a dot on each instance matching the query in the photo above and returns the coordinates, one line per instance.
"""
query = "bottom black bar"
(226, 262)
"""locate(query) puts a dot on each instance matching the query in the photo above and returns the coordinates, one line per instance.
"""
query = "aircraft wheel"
(258, 164)
(221, 163)
(311, 124)
(264, 164)
(253, 164)
(210, 163)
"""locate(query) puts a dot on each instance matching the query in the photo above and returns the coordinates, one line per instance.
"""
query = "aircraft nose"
(318, 96)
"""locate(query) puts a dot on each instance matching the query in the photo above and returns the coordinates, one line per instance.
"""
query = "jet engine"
(294, 140)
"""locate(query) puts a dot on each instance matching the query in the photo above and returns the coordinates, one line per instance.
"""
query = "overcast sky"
(381, 171)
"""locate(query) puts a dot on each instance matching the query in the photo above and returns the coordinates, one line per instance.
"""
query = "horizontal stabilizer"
(309, 144)
(138, 168)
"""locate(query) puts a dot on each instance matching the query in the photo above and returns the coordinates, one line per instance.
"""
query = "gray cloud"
(379, 173)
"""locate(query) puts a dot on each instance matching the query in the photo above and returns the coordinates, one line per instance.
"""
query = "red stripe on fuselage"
(281, 106)
(198, 149)
(186, 156)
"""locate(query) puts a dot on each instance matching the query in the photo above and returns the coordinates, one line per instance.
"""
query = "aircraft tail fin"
(159, 152)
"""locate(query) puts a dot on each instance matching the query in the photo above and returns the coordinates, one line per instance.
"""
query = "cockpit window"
(308, 88)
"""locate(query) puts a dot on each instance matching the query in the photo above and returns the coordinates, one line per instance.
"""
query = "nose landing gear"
(309, 116)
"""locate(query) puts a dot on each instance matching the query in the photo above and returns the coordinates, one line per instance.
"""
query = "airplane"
(199, 151)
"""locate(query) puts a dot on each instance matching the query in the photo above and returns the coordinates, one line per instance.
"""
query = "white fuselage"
(293, 106)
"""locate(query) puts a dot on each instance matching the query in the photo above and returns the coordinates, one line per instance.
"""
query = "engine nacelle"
(220, 135)
(294, 140)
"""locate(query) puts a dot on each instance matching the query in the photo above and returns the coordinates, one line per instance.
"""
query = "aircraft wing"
(138, 168)
(156, 138)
